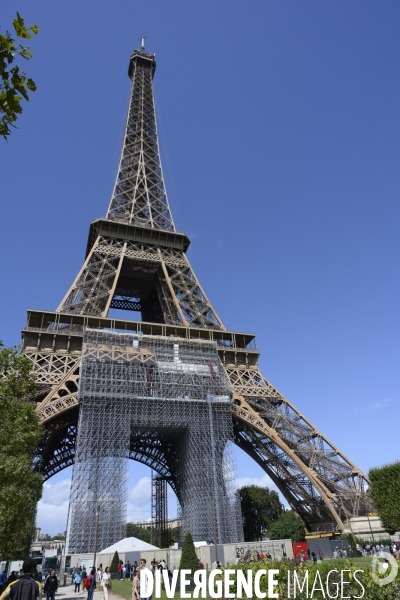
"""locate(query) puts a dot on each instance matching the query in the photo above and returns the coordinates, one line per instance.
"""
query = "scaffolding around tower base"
(175, 388)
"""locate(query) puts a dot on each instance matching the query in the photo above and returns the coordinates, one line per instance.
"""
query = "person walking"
(77, 580)
(26, 586)
(106, 583)
(2, 581)
(136, 586)
(128, 570)
(12, 577)
(143, 566)
(120, 570)
(90, 584)
(135, 568)
(83, 576)
(51, 585)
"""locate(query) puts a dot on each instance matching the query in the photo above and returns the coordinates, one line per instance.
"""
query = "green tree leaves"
(287, 527)
(385, 492)
(114, 563)
(189, 558)
(133, 530)
(20, 432)
(14, 84)
(260, 506)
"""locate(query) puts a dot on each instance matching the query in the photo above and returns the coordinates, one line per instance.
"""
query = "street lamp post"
(372, 535)
(215, 531)
(96, 534)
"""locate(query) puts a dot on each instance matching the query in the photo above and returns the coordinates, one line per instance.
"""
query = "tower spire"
(139, 196)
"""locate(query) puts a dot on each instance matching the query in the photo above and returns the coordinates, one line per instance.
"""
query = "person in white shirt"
(106, 582)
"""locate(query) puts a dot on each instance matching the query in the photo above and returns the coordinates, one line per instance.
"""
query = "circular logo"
(380, 568)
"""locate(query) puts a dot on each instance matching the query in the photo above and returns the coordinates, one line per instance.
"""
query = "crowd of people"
(101, 577)
(340, 552)
(127, 570)
(378, 549)
(90, 580)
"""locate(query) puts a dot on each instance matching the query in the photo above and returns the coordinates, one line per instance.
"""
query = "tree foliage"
(352, 541)
(114, 563)
(14, 85)
(385, 492)
(20, 432)
(260, 506)
(287, 527)
(189, 558)
(133, 530)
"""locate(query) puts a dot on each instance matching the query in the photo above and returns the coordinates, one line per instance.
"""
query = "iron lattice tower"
(136, 260)
(159, 511)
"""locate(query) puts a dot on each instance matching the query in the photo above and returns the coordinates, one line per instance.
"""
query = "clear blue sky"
(281, 148)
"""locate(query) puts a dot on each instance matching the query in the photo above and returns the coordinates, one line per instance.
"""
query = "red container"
(299, 549)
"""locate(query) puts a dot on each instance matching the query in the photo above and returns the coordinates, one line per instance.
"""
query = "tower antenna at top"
(143, 38)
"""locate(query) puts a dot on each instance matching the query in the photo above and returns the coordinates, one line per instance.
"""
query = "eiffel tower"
(136, 260)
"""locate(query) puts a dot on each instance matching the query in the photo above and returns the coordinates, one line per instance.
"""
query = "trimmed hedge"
(114, 563)
(385, 492)
(189, 558)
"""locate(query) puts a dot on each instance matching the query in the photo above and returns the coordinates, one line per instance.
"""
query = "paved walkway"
(67, 593)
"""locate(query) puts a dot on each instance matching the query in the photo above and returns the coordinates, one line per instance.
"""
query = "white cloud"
(375, 406)
(263, 481)
(135, 515)
(381, 404)
(139, 497)
(141, 493)
(53, 507)
(139, 501)
(56, 494)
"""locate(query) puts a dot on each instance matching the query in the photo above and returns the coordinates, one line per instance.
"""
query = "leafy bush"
(385, 492)
(353, 590)
(189, 558)
(114, 563)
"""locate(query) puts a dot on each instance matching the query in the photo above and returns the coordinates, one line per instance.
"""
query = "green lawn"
(124, 588)
(362, 562)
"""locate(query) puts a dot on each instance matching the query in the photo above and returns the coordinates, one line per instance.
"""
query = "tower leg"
(207, 474)
(100, 472)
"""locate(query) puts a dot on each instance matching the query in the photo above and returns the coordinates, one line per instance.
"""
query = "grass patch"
(362, 562)
(124, 588)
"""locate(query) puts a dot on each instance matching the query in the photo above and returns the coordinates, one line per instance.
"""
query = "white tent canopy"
(129, 544)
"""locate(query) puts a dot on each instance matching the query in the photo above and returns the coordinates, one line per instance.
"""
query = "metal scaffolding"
(174, 386)
(159, 511)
